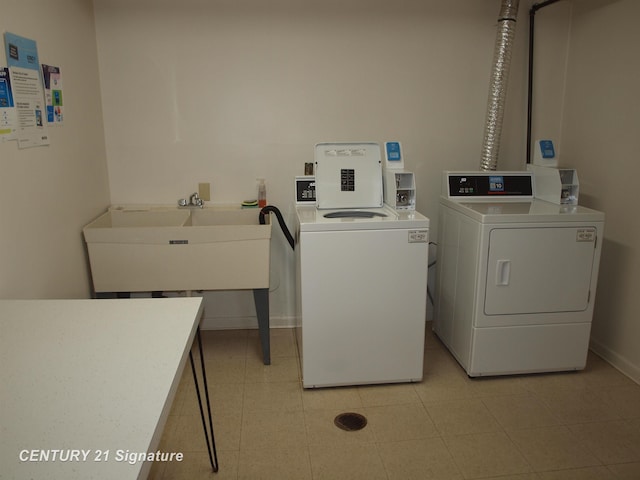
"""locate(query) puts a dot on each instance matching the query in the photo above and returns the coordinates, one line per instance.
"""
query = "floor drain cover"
(350, 421)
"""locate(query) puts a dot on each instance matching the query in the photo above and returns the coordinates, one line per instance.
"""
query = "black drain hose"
(283, 226)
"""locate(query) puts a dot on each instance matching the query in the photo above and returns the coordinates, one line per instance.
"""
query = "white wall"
(587, 70)
(225, 91)
(47, 194)
(601, 127)
(551, 49)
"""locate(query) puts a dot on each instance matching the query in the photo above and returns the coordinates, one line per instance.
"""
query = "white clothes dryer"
(516, 276)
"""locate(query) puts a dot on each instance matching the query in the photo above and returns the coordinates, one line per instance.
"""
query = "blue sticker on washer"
(393, 151)
(546, 149)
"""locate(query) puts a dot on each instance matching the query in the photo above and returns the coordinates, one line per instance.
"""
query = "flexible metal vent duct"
(498, 84)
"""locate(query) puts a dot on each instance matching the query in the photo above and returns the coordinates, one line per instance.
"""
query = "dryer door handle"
(503, 272)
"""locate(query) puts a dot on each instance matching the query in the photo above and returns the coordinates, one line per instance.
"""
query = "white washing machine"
(361, 276)
(516, 276)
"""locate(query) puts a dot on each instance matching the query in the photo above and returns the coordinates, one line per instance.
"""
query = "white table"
(89, 375)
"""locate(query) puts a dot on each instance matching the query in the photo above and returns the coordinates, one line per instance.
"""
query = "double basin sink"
(163, 248)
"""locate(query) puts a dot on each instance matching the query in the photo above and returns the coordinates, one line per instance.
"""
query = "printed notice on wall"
(52, 79)
(8, 120)
(28, 95)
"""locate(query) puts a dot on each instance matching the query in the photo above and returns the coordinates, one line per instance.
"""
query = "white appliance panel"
(530, 348)
(348, 175)
(539, 270)
(362, 301)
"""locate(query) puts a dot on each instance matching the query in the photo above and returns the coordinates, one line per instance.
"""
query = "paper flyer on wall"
(52, 79)
(28, 95)
(8, 119)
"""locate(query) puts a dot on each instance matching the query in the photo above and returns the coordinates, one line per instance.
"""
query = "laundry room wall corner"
(601, 114)
(48, 193)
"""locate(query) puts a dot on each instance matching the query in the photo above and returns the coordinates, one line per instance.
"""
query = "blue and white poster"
(21, 52)
(8, 120)
(52, 79)
(28, 95)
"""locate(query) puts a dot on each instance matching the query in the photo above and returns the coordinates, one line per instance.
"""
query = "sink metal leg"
(261, 299)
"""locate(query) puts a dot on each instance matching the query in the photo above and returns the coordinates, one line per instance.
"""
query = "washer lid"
(348, 175)
(312, 219)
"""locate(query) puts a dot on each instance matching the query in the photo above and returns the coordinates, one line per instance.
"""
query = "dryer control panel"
(482, 185)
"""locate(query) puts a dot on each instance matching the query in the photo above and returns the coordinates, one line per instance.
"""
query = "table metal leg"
(208, 429)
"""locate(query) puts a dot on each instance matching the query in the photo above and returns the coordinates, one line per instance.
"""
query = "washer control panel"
(348, 175)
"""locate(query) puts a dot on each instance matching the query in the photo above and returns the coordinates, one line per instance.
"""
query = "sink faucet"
(194, 201)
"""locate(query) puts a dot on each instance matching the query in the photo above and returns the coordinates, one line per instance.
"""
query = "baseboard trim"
(244, 323)
(616, 360)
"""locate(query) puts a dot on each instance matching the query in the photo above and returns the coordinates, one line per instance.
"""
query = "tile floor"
(580, 425)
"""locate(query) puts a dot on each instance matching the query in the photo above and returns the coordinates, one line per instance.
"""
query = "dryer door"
(539, 270)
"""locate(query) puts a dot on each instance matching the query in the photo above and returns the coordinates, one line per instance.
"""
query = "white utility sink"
(163, 248)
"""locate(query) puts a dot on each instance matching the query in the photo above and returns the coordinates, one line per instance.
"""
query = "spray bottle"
(262, 193)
